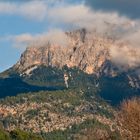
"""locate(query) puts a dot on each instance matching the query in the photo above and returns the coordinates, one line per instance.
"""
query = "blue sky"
(22, 23)
(12, 24)
(15, 25)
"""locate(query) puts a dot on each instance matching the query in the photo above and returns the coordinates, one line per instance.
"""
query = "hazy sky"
(26, 21)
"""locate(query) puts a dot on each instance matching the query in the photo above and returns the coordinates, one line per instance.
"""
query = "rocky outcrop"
(84, 50)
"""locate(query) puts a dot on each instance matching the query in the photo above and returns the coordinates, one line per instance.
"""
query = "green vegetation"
(4, 135)
(11, 72)
(116, 89)
(52, 78)
(21, 135)
(32, 112)
(46, 76)
(80, 99)
(18, 135)
(63, 101)
(76, 132)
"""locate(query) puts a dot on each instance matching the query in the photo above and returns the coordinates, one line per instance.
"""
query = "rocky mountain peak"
(85, 50)
(78, 34)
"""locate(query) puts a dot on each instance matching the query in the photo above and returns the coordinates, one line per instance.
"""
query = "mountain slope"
(86, 62)
(71, 92)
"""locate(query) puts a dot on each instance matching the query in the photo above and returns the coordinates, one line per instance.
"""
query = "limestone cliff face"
(84, 50)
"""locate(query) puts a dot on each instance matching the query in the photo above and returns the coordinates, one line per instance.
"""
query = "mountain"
(83, 50)
(68, 92)
(51, 67)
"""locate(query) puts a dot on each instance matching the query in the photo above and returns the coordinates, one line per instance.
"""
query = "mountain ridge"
(87, 56)
(84, 49)
(77, 53)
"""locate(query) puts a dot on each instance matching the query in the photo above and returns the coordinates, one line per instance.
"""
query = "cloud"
(7, 8)
(115, 19)
(24, 38)
(77, 15)
(81, 16)
(69, 14)
(125, 51)
(31, 9)
(34, 9)
(109, 24)
(125, 56)
(55, 37)
(58, 12)
(129, 8)
(133, 38)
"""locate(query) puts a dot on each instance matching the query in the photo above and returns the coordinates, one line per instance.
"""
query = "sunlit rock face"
(85, 50)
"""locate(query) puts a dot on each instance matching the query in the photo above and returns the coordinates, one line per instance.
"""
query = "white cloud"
(133, 38)
(81, 16)
(23, 38)
(125, 56)
(124, 31)
(78, 15)
(35, 9)
(69, 13)
(55, 36)
(60, 11)
(7, 8)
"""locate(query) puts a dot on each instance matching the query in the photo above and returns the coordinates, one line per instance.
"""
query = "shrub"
(128, 119)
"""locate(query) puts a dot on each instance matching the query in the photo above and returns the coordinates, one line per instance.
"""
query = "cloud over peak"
(55, 37)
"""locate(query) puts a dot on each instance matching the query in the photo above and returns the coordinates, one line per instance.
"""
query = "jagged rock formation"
(84, 50)
(90, 65)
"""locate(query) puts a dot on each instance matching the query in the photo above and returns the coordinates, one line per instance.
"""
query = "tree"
(3, 134)
(22, 135)
(128, 119)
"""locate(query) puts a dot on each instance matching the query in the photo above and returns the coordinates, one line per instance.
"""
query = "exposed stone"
(85, 51)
